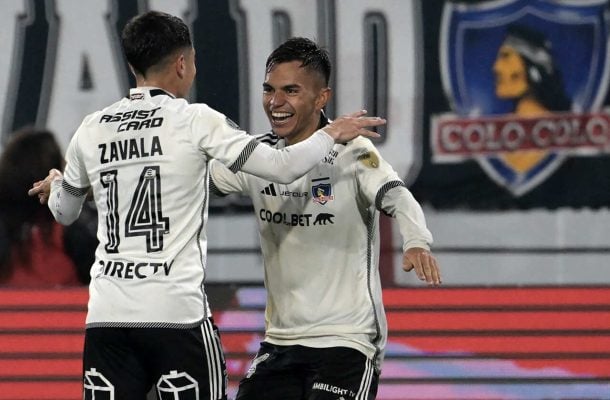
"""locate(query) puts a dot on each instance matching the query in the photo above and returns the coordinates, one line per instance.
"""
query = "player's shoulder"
(94, 117)
(361, 151)
(180, 107)
(360, 145)
(203, 112)
(197, 108)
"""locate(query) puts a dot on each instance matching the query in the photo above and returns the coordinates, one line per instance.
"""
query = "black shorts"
(306, 373)
(181, 364)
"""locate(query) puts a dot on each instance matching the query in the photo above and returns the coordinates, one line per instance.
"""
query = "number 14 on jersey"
(145, 215)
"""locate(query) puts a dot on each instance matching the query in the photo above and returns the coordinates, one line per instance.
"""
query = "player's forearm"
(64, 206)
(292, 162)
(400, 203)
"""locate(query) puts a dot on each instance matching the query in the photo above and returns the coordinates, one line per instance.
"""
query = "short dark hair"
(149, 38)
(312, 56)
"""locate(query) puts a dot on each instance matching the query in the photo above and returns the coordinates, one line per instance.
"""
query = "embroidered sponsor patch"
(369, 159)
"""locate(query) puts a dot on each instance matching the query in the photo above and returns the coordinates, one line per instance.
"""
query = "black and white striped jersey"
(320, 243)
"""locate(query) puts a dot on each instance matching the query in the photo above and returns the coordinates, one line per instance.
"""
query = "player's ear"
(180, 65)
(323, 98)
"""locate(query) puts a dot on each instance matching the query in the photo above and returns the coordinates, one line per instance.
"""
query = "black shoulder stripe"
(74, 191)
(383, 190)
(268, 138)
(243, 157)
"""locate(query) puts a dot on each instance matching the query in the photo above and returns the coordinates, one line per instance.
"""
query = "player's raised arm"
(287, 164)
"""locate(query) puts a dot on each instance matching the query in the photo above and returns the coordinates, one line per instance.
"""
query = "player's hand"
(347, 127)
(42, 188)
(424, 263)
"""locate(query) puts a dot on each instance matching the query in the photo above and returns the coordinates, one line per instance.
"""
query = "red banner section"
(444, 343)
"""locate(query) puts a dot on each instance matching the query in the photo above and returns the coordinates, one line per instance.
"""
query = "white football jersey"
(146, 159)
(320, 243)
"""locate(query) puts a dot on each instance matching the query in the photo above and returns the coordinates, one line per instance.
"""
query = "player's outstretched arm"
(64, 205)
(287, 164)
(424, 263)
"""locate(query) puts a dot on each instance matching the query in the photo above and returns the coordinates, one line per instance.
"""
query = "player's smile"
(283, 122)
(280, 117)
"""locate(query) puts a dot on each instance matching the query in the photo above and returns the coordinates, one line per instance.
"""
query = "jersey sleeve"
(400, 203)
(222, 140)
(374, 175)
(69, 193)
(287, 164)
(223, 181)
(75, 172)
(381, 186)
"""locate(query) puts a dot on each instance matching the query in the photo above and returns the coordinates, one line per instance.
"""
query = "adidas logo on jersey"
(269, 190)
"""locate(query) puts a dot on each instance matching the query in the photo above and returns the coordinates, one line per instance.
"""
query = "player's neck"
(298, 138)
(158, 82)
(305, 133)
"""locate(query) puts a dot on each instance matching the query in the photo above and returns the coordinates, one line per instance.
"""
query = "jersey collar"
(140, 93)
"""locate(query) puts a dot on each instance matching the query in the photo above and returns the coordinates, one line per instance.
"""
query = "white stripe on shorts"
(365, 383)
(214, 359)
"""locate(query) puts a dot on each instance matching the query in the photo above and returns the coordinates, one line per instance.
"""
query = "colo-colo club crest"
(526, 80)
